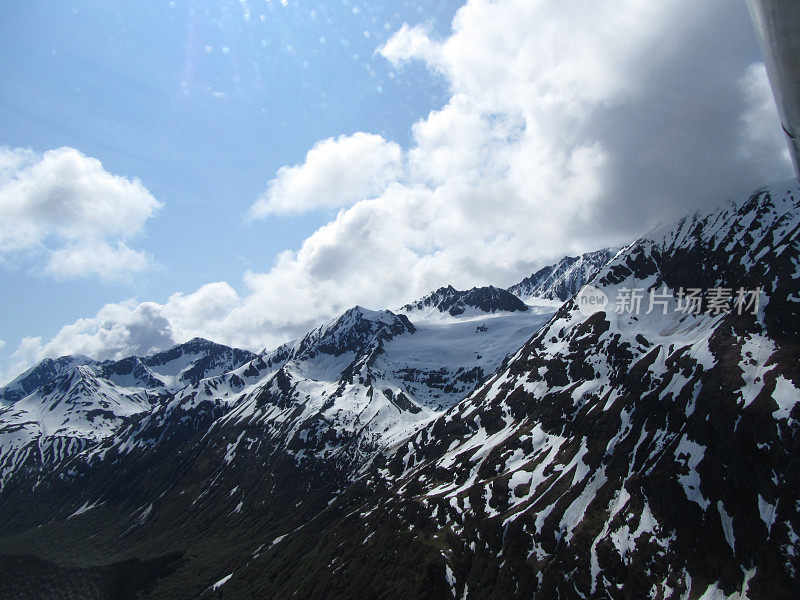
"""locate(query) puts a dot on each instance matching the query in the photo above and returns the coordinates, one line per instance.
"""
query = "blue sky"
(203, 102)
(266, 165)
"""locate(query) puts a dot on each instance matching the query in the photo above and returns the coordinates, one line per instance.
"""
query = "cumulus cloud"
(135, 328)
(65, 208)
(570, 125)
(653, 90)
(116, 331)
(336, 173)
(411, 43)
(96, 258)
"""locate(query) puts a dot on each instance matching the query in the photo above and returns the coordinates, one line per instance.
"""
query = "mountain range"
(488, 443)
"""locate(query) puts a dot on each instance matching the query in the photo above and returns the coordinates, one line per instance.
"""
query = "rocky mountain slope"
(472, 302)
(616, 455)
(73, 402)
(297, 424)
(559, 282)
(38, 375)
(350, 386)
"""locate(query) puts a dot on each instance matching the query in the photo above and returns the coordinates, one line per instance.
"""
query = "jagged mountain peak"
(197, 359)
(195, 346)
(472, 302)
(63, 416)
(726, 248)
(740, 232)
(200, 341)
(183, 364)
(359, 313)
(557, 283)
(45, 371)
(352, 331)
(130, 372)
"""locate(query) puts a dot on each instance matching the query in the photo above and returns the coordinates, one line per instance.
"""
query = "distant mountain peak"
(353, 330)
(191, 361)
(40, 374)
(562, 280)
(478, 300)
(183, 364)
(198, 342)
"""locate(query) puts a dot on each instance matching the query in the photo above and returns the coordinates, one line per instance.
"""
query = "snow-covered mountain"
(62, 418)
(298, 423)
(349, 387)
(194, 360)
(474, 302)
(646, 453)
(38, 375)
(370, 378)
(63, 406)
(559, 282)
(171, 369)
(603, 451)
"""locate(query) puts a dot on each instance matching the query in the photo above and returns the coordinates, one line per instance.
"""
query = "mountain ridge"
(456, 303)
(562, 280)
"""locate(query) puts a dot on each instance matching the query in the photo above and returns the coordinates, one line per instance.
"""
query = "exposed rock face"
(641, 455)
(457, 303)
(62, 407)
(561, 281)
(39, 375)
(616, 455)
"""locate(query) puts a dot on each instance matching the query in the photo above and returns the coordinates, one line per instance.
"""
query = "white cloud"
(125, 328)
(65, 208)
(570, 125)
(118, 330)
(97, 258)
(410, 43)
(336, 173)
(190, 313)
